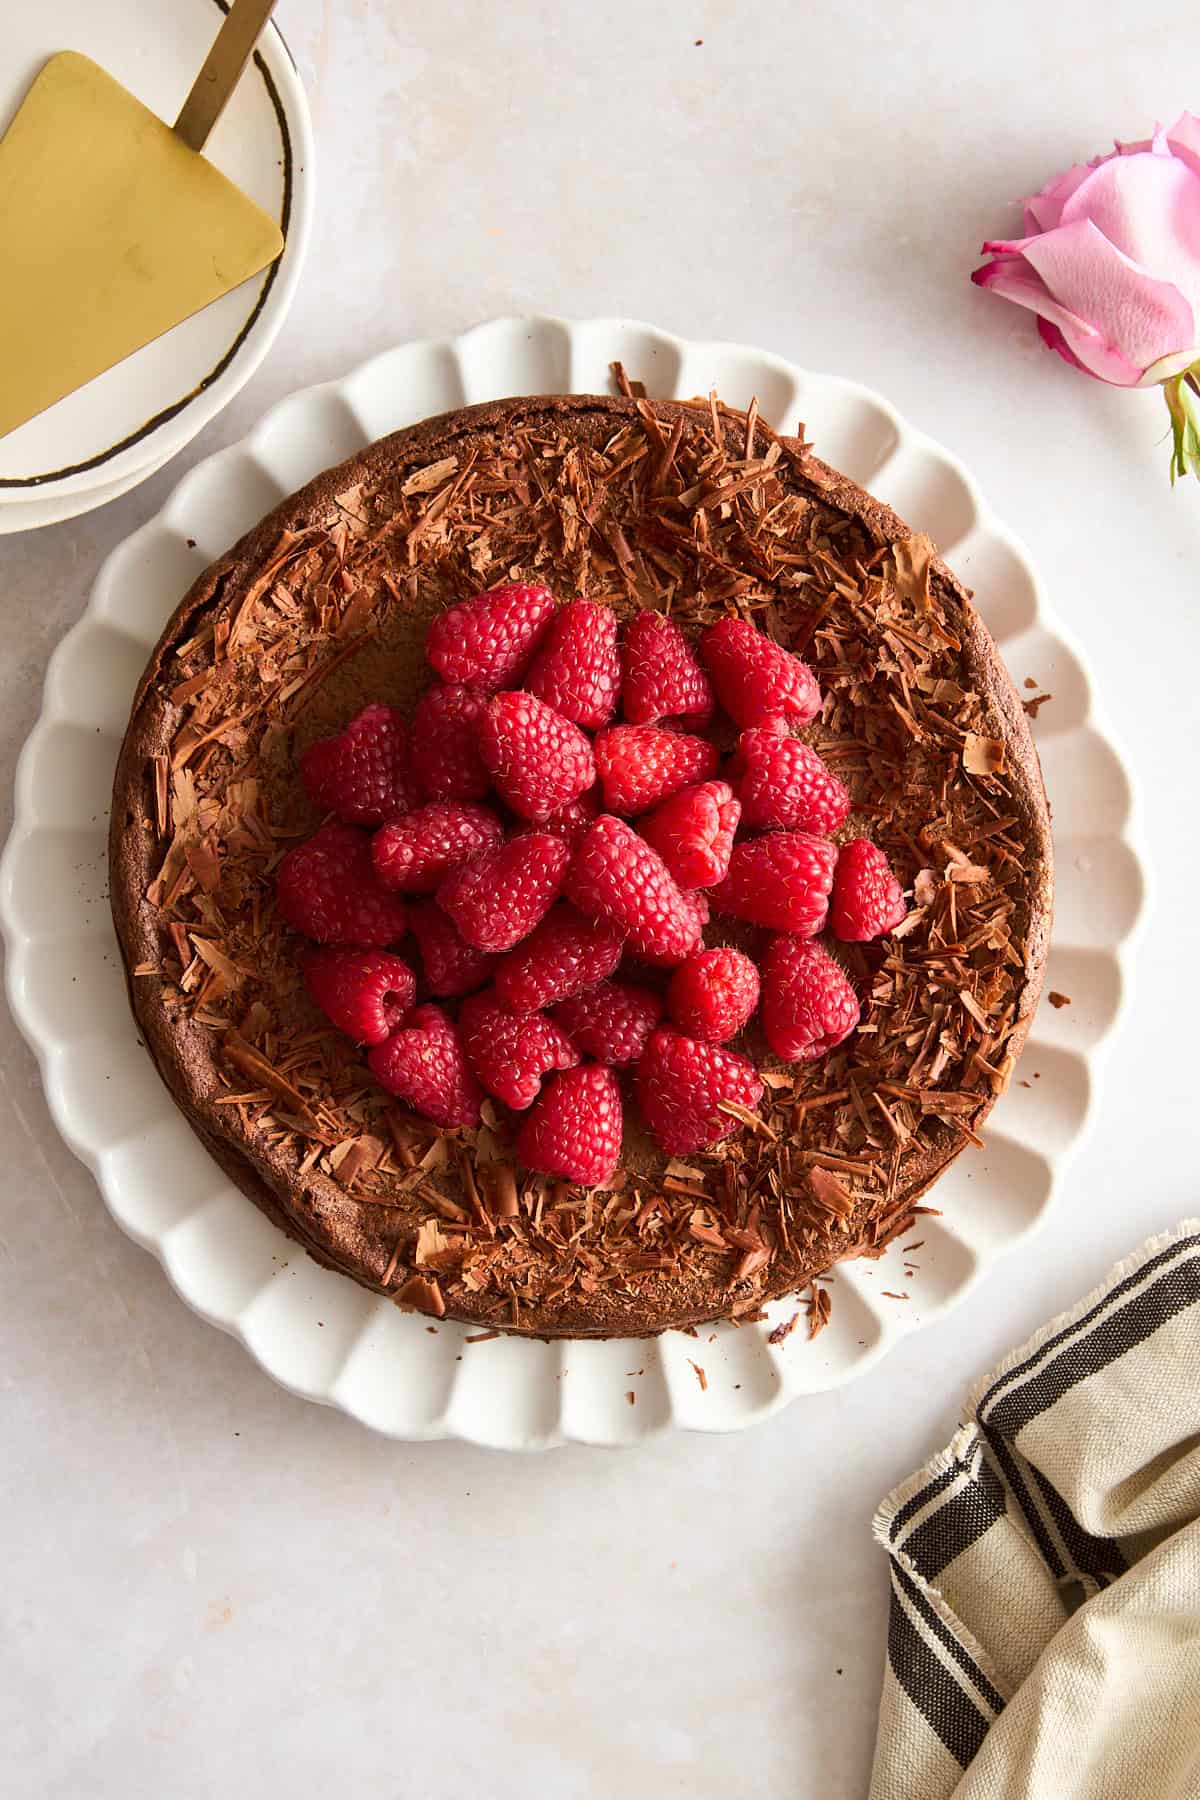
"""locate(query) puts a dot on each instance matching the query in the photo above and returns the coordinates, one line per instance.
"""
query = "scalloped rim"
(514, 1393)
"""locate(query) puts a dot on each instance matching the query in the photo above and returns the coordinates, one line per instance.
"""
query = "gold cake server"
(113, 227)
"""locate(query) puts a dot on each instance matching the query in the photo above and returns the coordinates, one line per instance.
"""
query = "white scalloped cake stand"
(381, 1365)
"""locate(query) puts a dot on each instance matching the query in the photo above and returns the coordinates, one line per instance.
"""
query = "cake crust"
(323, 606)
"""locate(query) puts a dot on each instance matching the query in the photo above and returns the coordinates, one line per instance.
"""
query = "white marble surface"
(211, 1587)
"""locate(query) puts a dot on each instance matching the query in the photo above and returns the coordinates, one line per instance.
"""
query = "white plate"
(386, 1367)
(30, 514)
(130, 419)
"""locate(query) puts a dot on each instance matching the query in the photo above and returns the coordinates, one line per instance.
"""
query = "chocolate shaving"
(161, 766)
(423, 1294)
(430, 1244)
(632, 390)
(205, 864)
(500, 1180)
(913, 558)
(983, 755)
(354, 1157)
(830, 1193)
(248, 1061)
(423, 481)
(752, 1120)
(820, 1307)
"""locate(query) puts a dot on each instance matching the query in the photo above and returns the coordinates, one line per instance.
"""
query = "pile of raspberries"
(547, 860)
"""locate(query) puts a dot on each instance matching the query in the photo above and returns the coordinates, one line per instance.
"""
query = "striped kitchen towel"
(1044, 1629)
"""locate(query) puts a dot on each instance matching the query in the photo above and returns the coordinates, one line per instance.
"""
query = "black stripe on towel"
(935, 1627)
(1100, 1557)
(1015, 1478)
(956, 1524)
(940, 1699)
(1080, 1352)
(929, 1492)
(1080, 1328)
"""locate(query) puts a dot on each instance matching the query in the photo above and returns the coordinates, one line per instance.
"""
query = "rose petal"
(1184, 139)
(1117, 318)
(1043, 210)
(1148, 207)
(1053, 339)
(1013, 278)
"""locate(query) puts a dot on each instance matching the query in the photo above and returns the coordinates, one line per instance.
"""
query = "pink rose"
(1111, 263)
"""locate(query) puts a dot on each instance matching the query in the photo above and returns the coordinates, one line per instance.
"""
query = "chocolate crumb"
(1058, 1000)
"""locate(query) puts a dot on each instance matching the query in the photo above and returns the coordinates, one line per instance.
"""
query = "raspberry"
(414, 853)
(575, 1128)
(487, 641)
(445, 744)
(452, 966)
(695, 913)
(577, 670)
(498, 897)
(363, 774)
(617, 877)
(328, 889)
(776, 728)
(713, 994)
(784, 782)
(563, 954)
(781, 880)
(537, 760)
(679, 1083)
(511, 1051)
(693, 832)
(569, 822)
(662, 679)
(366, 993)
(808, 1005)
(424, 1064)
(867, 898)
(756, 679)
(639, 765)
(610, 1021)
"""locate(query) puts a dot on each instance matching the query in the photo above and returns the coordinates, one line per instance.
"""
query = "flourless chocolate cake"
(699, 513)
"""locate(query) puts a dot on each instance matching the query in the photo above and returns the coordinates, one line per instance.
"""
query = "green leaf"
(1181, 396)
